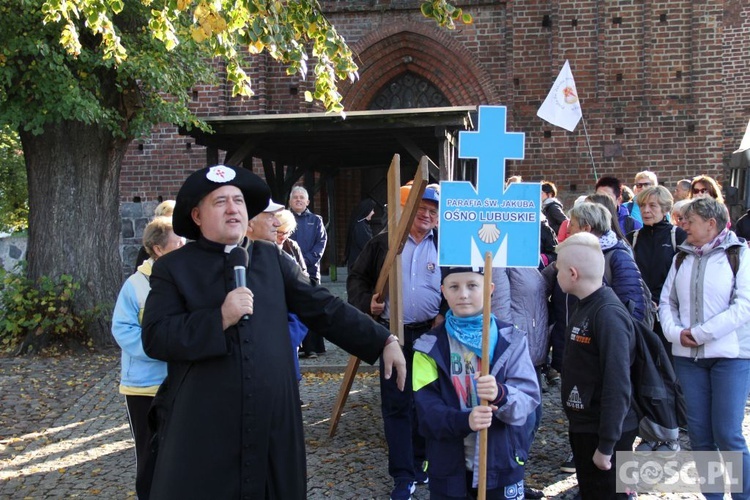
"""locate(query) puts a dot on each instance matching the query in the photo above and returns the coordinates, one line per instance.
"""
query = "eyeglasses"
(700, 191)
(642, 184)
(283, 233)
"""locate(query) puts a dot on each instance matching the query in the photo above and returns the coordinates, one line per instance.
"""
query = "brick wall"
(663, 86)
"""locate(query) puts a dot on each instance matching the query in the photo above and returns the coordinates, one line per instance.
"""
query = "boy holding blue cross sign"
(487, 226)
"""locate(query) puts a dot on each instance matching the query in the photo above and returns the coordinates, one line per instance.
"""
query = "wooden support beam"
(212, 155)
(391, 270)
(418, 154)
(269, 173)
(241, 153)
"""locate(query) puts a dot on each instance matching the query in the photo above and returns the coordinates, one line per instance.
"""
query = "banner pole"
(485, 370)
(588, 143)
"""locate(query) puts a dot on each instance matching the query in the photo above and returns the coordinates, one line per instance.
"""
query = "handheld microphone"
(238, 259)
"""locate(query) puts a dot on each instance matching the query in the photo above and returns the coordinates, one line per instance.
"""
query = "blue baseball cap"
(431, 194)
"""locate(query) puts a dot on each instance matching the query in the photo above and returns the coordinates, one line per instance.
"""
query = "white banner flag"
(561, 107)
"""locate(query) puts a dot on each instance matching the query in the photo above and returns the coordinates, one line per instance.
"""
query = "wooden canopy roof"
(328, 142)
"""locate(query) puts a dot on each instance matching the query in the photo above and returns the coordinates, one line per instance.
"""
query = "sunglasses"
(642, 184)
(700, 191)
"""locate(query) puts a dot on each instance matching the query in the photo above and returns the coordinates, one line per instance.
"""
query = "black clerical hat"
(203, 181)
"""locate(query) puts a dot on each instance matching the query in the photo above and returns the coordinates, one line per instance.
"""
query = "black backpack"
(732, 253)
(648, 302)
(657, 394)
(629, 224)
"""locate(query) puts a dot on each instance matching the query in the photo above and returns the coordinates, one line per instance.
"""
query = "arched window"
(409, 90)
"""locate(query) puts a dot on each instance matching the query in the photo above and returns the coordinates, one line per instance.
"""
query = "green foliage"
(41, 82)
(445, 13)
(226, 29)
(14, 196)
(41, 308)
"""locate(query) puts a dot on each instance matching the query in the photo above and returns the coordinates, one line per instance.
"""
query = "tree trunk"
(73, 173)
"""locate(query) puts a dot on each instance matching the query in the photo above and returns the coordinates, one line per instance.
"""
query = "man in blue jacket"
(311, 237)
(310, 234)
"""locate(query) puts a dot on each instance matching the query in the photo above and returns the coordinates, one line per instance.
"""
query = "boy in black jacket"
(596, 389)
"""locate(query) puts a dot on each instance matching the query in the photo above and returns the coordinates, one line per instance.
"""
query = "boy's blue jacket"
(445, 425)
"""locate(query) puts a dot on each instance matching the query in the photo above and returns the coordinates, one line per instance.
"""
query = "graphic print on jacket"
(464, 364)
(574, 399)
(580, 334)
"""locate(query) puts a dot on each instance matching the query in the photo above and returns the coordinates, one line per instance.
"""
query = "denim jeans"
(716, 393)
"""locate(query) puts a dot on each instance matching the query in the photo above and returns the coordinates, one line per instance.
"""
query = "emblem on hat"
(220, 174)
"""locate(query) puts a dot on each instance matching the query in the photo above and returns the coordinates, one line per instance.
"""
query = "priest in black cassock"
(228, 418)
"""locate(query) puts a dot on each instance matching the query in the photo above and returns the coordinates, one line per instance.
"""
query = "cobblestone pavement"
(64, 432)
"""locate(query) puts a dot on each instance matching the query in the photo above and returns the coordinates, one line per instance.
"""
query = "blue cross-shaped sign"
(490, 217)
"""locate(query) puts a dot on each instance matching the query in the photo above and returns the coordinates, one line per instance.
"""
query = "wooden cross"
(390, 274)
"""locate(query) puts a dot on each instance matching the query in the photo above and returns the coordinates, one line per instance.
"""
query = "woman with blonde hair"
(297, 330)
(654, 247)
(655, 244)
(141, 375)
(163, 209)
(283, 240)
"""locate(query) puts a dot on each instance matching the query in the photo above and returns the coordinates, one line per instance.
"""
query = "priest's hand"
(236, 304)
(393, 357)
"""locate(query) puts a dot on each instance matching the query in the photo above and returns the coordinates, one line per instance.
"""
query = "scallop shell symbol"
(489, 233)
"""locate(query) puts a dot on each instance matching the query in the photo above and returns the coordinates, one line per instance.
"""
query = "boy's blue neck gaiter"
(468, 331)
